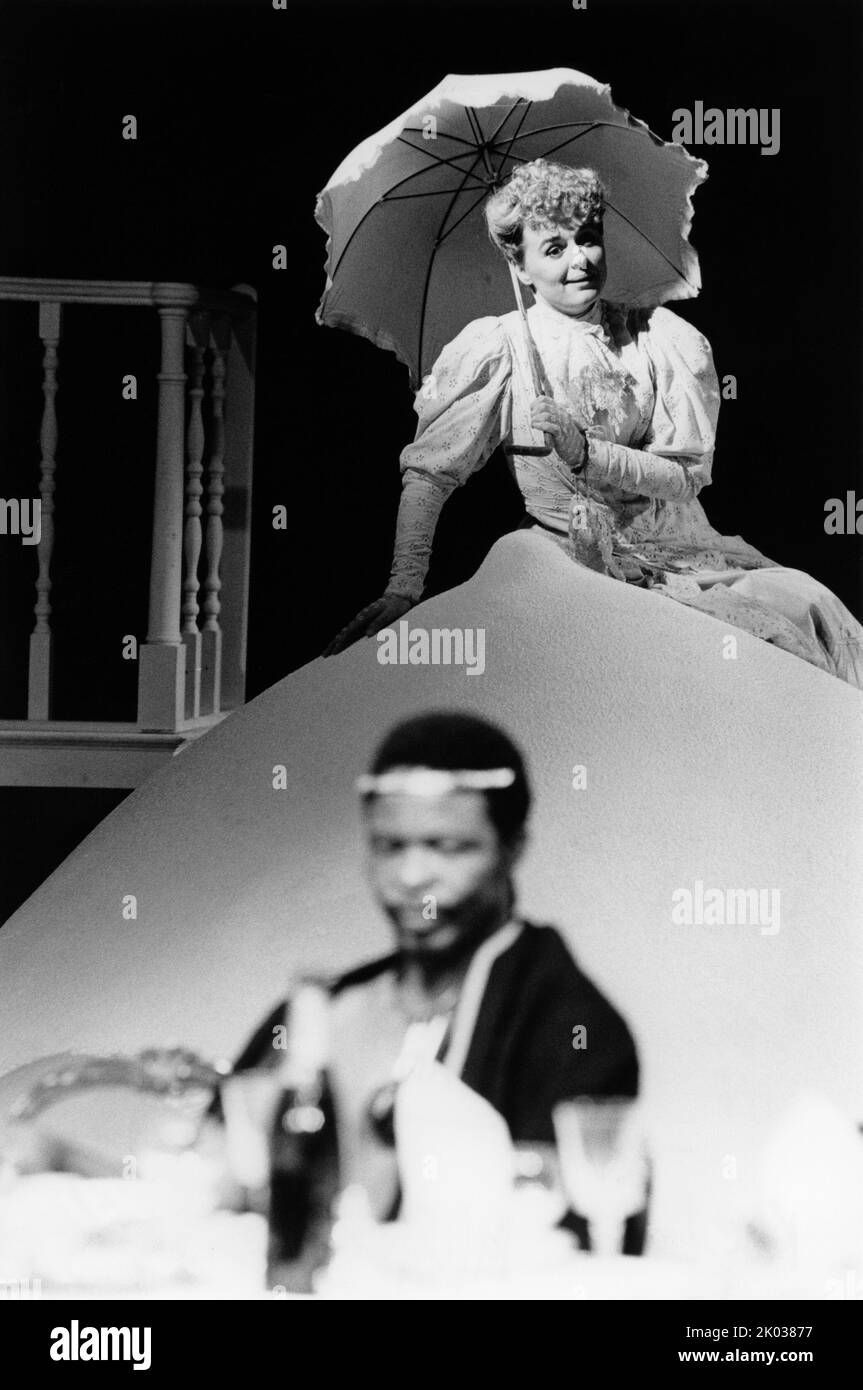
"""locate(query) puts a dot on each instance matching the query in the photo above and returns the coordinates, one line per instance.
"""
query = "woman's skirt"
(784, 606)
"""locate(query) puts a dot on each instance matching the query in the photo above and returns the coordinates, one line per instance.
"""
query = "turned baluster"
(211, 635)
(192, 538)
(239, 447)
(41, 638)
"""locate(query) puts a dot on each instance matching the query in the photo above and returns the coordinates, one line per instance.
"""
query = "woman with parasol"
(628, 400)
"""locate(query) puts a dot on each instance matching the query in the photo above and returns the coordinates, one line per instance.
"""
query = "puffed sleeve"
(464, 409)
(676, 462)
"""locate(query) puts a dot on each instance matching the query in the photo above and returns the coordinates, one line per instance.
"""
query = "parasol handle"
(535, 372)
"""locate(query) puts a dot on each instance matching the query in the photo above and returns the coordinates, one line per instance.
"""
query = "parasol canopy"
(409, 260)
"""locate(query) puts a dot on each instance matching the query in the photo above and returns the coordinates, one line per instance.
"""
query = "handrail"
(145, 293)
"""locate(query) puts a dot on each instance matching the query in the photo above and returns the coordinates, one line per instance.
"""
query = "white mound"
(740, 773)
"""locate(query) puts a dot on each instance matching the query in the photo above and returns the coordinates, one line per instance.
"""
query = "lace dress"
(642, 386)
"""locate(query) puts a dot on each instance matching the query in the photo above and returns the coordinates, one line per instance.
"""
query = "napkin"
(456, 1162)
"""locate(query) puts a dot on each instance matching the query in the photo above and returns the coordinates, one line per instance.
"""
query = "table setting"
(169, 1202)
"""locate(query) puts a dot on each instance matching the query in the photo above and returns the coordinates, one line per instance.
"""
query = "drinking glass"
(603, 1165)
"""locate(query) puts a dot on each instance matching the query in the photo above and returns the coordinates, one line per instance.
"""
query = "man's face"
(438, 869)
(565, 265)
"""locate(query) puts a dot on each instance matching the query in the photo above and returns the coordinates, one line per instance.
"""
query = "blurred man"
(497, 1000)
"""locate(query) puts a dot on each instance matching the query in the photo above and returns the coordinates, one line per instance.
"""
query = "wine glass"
(603, 1165)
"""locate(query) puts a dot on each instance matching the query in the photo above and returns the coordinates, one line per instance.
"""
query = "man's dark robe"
(544, 1033)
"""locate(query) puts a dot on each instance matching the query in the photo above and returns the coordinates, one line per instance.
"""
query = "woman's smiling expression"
(564, 265)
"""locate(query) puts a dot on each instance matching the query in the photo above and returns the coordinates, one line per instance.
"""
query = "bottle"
(304, 1169)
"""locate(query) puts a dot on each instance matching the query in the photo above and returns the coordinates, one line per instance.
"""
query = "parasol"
(409, 260)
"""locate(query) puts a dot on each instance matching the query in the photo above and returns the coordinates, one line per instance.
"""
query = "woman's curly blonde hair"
(538, 193)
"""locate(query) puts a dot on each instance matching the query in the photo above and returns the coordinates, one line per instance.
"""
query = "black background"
(243, 113)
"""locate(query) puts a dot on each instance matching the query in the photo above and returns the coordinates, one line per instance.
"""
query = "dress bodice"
(642, 386)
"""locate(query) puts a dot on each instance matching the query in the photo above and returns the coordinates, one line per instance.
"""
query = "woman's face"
(565, 266)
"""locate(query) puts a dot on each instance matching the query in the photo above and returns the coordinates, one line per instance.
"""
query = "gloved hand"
(559, 421)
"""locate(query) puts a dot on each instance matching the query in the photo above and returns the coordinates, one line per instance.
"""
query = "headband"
(433, 781)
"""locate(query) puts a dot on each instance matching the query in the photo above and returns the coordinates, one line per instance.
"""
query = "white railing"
(192, 664)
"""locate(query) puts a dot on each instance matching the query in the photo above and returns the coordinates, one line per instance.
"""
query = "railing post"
(161, 671)
(41, 638)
